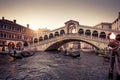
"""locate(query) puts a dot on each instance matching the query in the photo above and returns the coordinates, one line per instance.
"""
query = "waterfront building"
(116, 23)
(104, 25)
(13, 35)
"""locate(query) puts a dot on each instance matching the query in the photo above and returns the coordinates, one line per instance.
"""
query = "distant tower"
(27, 25)
(14, 21)
(3, 18)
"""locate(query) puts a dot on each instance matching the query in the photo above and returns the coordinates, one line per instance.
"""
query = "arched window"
(45, 37)
(50, 35)
(19, 45)
(35, 40)
(56, 34)
(70, 28)
(62, 32)
(88, 32)
(81, 31)
(95, 34)
(40, 38)
(103, 35)
(11, 45)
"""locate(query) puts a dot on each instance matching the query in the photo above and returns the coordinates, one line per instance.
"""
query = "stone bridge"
(72, 31)
(55, 43)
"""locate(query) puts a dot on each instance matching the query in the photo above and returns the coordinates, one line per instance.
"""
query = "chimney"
(27, 25)
(3, 18)
(14, 21)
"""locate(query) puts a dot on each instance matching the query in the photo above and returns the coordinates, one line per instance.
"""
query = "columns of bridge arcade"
(94, 34)
(50, 35)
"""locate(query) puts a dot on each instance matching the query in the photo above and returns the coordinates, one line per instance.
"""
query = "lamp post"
(114, 63)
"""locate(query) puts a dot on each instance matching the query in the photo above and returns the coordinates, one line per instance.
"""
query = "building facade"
(116, 23)
(13, 35)
(104, 25)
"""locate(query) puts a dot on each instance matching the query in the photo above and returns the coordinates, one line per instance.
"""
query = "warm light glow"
(54, 13)
(74, 31)
(112, 36)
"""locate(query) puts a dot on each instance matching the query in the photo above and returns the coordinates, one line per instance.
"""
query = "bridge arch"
(57, 44)
(11, 45)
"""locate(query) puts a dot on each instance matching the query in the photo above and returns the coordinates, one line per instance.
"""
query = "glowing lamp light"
(112, 36)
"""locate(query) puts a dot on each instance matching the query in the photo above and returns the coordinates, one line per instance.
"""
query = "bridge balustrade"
(70, 36)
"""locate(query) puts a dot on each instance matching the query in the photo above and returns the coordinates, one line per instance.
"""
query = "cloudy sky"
(53, 14)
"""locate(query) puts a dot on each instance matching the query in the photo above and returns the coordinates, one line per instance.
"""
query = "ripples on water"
(51, 66)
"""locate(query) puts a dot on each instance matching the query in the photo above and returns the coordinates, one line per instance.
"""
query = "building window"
(20, 37)
(10, 36)
(102, 26)
(4, 35)
(1, 35)
(5, 27)
(1, 26)
(12, 28)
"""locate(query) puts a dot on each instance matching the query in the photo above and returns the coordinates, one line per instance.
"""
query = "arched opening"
(74, 31)
(95, 34)
(88, 32)
(71, 28)
(50, 35)
(62, 32)
(45, 37)
(40, 38)
(103, 35)
(57, 45)
(25, 44)
(19, 45)
(81, 31)
(118, 37)
(56, 34)
(11, 45)
(35, 40)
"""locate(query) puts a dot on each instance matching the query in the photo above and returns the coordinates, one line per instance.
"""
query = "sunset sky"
(53, 14)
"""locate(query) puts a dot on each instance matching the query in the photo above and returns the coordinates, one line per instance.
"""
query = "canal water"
(54, 66)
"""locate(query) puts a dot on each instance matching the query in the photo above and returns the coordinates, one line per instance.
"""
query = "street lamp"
(113, 42)
(114, 56)
(112, 36)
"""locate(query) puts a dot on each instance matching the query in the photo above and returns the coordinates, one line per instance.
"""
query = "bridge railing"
(70, 36)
